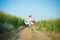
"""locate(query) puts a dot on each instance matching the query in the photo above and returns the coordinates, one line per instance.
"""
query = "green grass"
(9, 22)
(52, 25)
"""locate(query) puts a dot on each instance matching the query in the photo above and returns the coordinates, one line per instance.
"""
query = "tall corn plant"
(50, 25)
(9, 22)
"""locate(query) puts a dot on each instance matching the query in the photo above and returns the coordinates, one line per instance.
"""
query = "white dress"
(28, 21)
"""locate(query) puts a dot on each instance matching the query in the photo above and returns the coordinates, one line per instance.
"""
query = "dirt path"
(32, 34)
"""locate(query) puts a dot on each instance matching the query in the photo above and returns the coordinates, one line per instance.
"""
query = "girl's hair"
(30, 15)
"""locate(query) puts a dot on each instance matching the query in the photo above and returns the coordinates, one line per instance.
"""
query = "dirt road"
(32, 34)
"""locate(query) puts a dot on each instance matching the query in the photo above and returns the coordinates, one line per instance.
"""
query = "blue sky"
(40, 9)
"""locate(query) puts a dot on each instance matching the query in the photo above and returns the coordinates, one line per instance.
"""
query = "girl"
(29, 20)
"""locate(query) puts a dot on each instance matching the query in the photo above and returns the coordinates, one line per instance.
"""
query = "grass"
(52, 25)
(9, 22)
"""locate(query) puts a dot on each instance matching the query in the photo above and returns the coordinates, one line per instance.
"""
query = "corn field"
(52, 25)
(9, 22)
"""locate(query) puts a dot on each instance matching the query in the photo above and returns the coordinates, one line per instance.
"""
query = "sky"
(39, 9)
